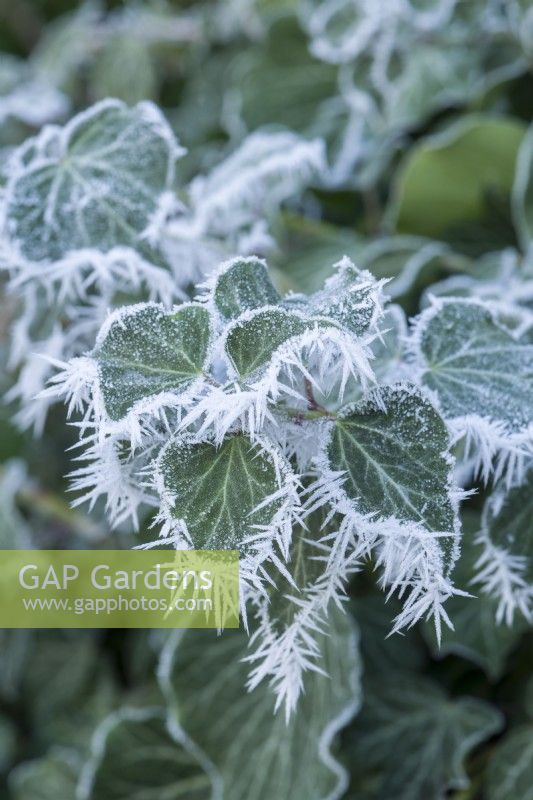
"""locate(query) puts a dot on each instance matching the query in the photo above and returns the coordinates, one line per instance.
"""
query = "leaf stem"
(302, 413)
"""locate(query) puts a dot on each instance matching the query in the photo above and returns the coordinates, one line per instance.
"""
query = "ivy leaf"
(350, 299)
(221, 494)
(476, 635)
(392, 450)
(55, 775)
(145, 351)
(254, 337)
(410, 740)
(242, 285)
(474, 365)
(135, 756)
(295, 759)
(508, 521)
(96, 183)
(510, 771)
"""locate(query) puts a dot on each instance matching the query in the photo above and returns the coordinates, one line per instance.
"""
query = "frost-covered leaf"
(254, 337)
(392, 451)
(146, 351)
(96, 183)
(243, 285)
(135, 756)
(386, 471)
(447, 177)
(286, 639)
(228, 497)
(411, 740)
(350, 298)
(264, 171)
(481, 375)
(476, 635)
(509, 775)
(505, 569)
(48, 778)
(257, 754)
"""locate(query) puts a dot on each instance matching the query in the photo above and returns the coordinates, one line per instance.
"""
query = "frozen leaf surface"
(505, 569)
(225, 498)
(476, 635)
(474, 365)
(242, 285)
(146, 351)
(96, 183)
(392, 451)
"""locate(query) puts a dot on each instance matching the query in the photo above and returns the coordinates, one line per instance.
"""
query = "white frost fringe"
(502, 575)
(408, 555)
(493, 450)
(283, 657)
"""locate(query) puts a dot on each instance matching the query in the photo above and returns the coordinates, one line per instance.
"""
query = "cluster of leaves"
(324, 415)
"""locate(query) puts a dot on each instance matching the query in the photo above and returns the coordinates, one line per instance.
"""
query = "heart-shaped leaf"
(94, 184)
(242, 285)
(474, 365)
(232, 497)
(392, 451)
(146, 351)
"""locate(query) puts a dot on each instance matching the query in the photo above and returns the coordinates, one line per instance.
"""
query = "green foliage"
(244, 723)
(509, 774)
(136, 756)
(411, 740)
(474, 365)
(223, 495)
(446, 180)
